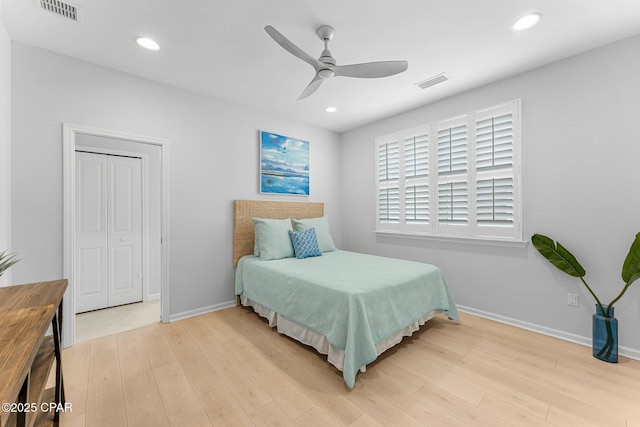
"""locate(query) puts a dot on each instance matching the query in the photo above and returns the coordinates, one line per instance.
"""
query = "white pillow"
(272, 239)
(323, 233)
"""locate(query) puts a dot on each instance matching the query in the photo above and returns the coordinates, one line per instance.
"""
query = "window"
(454, 178)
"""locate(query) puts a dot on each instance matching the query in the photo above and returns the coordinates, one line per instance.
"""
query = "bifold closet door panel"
(124, 231)
(91, 232)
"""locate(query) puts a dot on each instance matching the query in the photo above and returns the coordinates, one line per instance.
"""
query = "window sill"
(490, 241)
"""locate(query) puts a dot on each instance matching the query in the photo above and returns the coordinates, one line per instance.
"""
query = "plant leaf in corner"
(631, 266)
(558, 256)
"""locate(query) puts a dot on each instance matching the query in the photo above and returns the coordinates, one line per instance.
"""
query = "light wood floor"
(230, 368)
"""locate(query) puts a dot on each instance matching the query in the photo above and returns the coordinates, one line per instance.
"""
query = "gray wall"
(581, 127)
(5, 146)
(213, 149)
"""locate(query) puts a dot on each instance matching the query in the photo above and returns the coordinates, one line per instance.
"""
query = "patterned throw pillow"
(305, 243)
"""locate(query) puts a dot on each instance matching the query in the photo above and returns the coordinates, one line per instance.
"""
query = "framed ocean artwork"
(284, 165)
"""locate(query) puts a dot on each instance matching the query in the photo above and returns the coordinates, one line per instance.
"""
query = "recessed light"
(331, 109)
(526, 21)
(147, 43)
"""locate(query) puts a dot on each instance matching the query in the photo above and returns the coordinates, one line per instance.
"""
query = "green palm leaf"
(6, 261)
(631, 266)
(558, 255)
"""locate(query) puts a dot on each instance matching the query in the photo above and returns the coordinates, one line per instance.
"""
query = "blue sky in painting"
(281, 153)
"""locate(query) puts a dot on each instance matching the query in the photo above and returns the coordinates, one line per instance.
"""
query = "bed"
(349, 306)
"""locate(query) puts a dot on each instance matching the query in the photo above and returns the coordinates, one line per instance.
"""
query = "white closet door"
(108, 231)
(124, 230)
(91, 232)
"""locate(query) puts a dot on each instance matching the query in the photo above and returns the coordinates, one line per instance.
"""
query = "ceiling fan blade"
(312, 87)
(291, 48)
(371, 69)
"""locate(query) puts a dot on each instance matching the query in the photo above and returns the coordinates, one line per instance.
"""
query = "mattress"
(359, 303)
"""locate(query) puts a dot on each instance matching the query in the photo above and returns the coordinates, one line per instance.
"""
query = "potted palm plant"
(605, 325)
(6, 261)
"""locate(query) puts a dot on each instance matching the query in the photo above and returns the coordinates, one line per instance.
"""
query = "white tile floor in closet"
(109, 321)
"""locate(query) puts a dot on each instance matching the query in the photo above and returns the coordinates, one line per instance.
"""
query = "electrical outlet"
(572, 299)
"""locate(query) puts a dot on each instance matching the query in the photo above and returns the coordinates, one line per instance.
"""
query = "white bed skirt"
(307, 336)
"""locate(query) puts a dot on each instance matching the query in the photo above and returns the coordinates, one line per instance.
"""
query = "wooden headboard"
(245, 210)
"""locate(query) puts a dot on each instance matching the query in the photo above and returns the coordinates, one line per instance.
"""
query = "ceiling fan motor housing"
(326, 58)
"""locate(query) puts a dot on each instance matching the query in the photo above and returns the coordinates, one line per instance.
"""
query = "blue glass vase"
(605, 335)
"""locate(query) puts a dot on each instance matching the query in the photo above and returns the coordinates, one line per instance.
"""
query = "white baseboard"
(631, 353)
(152, 297)
(203, 310)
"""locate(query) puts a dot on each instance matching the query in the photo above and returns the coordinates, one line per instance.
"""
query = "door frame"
(69, 176)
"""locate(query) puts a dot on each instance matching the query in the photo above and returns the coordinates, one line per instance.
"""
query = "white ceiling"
(219, 48)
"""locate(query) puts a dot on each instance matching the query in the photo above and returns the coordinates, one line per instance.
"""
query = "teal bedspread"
(353, 299)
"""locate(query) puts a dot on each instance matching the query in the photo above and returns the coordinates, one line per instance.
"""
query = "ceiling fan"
(326, 67)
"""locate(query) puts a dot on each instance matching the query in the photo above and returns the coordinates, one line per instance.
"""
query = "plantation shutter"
(453, 198)
(416, 173)
(389, 183)
(453, 202)
(494, 143)
(495, 201)
(452, 150)
(455, 178)
(494, 169)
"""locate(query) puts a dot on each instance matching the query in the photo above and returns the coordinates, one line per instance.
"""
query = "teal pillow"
(305, 244)
(272, 239)
(323, 234)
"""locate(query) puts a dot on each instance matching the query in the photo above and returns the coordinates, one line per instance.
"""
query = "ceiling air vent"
(431, 81)
(61, 8)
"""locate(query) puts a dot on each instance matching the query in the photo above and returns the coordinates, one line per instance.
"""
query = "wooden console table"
(27, 355)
